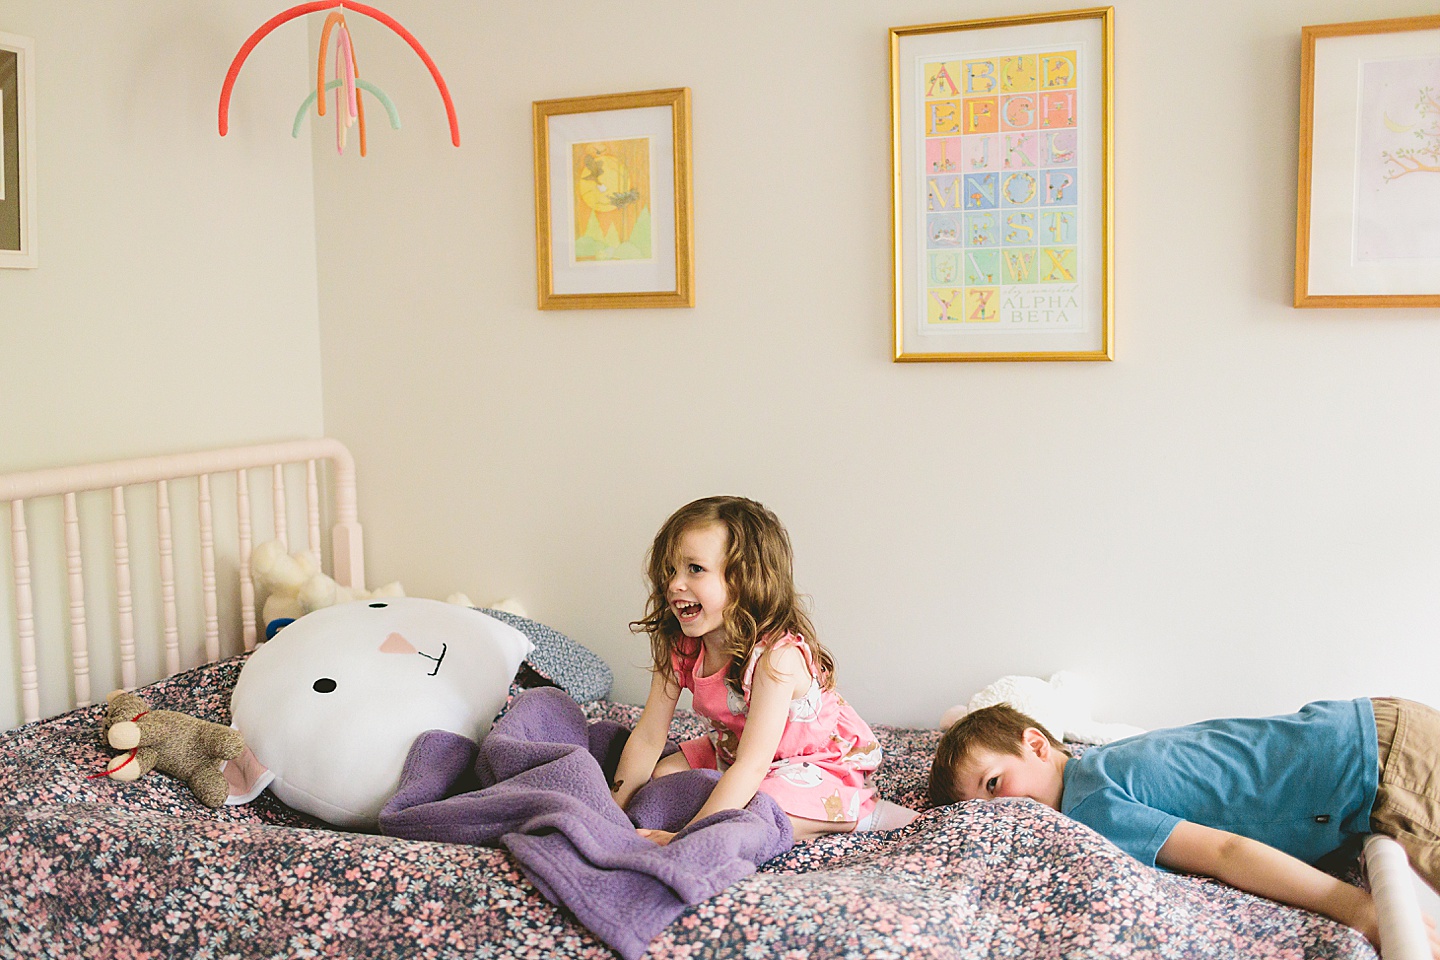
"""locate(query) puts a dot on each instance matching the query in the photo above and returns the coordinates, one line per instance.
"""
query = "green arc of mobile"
(365, 85)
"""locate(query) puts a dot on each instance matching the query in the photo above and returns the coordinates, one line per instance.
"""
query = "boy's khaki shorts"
(1407, 805)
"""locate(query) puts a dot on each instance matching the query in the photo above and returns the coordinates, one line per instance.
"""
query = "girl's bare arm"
(642, 750)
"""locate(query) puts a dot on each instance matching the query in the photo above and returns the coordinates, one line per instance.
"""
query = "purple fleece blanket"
(535, 786)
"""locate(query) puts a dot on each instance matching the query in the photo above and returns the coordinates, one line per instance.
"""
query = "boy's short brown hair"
(999, 729)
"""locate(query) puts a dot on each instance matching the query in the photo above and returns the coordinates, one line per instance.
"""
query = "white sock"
(886, 816)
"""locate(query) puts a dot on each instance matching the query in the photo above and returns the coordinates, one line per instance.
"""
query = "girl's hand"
(657, 837)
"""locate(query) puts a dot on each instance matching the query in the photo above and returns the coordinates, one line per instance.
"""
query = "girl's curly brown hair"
(759, 576)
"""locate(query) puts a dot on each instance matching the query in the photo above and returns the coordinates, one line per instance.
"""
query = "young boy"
(1251, 802)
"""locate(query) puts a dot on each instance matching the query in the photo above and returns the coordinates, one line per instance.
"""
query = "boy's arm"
(642, 750)
(1257, 868)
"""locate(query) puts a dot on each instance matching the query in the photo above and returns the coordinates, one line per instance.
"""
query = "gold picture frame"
(1001, 146)
(18, 244)
(1369, 165)
(613, 201)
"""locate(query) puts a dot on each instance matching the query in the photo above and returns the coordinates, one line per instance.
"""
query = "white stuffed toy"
(1061, 705)
(292, 584)
(330, 706)
(278, 578)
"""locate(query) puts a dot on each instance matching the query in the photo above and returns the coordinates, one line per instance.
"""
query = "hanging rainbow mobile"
(349, 107)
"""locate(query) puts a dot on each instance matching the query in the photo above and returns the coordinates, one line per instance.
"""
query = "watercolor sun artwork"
(612, 200)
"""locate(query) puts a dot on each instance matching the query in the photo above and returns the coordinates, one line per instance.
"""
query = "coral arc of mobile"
(300, 11)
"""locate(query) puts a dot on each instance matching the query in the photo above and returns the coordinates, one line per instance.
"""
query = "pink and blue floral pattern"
(94, 868)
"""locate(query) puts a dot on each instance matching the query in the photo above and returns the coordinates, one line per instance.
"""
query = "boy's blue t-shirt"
(1302, 782)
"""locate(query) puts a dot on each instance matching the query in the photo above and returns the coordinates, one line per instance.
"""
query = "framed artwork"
(1001, 146)
(17, 152)
(1368, 214)
(612, 201)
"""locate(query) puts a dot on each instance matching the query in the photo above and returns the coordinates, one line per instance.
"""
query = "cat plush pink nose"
(397, 644)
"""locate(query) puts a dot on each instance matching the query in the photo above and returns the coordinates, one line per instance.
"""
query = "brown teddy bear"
(185, 747)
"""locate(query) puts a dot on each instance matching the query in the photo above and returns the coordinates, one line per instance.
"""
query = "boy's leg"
(1407, 804)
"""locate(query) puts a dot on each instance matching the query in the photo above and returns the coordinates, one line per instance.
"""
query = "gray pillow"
(573, 667)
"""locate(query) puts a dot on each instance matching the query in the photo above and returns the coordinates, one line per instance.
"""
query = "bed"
(90, 867)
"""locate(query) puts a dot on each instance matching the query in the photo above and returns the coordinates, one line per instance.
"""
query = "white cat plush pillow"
(330, 706)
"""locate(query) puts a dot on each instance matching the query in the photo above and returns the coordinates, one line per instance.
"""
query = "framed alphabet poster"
(1001, 144)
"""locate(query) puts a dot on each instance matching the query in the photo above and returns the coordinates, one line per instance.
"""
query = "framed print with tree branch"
(612, 201)
(1368, 212)
(17, 152)
(1001, 145)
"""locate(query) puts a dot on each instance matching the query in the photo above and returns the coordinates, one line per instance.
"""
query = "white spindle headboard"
(182, 492)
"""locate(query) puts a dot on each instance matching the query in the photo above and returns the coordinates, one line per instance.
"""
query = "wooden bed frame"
(1387, 868)
(152, 481)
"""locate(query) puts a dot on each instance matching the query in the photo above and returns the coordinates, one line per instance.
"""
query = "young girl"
(725, 623)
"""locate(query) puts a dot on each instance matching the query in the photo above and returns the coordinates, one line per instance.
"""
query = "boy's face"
(986, 775)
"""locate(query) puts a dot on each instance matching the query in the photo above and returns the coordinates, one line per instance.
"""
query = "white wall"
(1237, 515)
(174, 307)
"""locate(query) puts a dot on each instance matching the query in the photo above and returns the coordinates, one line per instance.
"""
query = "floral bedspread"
(93, 868)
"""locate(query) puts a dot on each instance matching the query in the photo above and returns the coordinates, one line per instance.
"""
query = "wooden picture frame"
(18, 241)
(613, 201)
(1367, 228)
(1002, 211)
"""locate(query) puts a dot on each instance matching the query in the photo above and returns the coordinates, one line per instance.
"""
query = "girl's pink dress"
(825, 757)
